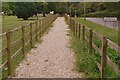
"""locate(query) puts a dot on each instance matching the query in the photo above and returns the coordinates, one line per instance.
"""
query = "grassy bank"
(86, 62)
(103, 14)
(101, 29)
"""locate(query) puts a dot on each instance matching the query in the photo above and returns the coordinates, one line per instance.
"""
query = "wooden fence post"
(73, 27)
(76, 30)
(8, 35)
(103, 57)
(40, 28)
(79, 31)
(83, 37)
(69, 20)
(83, 33)
(90, 40)
(70, 24)
(31, 43)
(36, 31)
(23, 41)
(44, 25)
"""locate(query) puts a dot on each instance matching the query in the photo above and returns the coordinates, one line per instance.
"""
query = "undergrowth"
(86, 62)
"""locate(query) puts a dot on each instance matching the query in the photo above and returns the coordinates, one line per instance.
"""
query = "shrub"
(103, 14)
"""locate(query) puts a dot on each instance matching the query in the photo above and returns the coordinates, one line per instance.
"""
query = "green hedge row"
(104, 14)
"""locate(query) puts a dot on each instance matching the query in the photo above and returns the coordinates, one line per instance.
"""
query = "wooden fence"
(80, 31)
(33, 30)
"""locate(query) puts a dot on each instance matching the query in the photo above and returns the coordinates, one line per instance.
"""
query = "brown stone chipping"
(52, 58)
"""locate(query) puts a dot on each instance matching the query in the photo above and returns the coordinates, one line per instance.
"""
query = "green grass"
(111, 34)
(105, 31)
(12, 22)
(86, 62)
(15, 23)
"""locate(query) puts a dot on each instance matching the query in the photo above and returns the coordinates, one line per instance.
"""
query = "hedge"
(103, 14)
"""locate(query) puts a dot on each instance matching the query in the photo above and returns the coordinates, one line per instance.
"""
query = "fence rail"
(102, 50)
(34, 32)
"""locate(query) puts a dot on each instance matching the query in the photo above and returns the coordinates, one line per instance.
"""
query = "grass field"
(105, 31)
(87, 63)
(12, 22)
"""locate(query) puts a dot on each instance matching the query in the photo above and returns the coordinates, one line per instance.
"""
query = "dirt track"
(52, 58)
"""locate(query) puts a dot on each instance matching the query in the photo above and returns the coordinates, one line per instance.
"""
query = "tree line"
(27, 9)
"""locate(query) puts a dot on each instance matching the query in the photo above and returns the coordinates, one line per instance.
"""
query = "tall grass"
(86, 62)
(101, 29)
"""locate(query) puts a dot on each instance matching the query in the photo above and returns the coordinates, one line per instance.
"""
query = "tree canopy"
(27, 9)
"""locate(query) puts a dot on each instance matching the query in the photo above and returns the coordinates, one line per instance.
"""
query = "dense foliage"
(96, 9)
(24, 9)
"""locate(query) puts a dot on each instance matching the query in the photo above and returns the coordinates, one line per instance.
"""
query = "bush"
(103, 14)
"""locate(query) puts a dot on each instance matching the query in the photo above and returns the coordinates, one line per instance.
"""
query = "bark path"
(52, 58)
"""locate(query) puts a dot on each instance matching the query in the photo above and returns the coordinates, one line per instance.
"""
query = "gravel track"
(52, 58)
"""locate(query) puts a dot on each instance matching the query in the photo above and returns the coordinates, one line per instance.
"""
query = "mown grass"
(16, 35)
(12, 22)
(109, 33)
(86, 62)
(101, 29)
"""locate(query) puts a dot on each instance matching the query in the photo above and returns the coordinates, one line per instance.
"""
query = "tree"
(61, 8)
(52, 6)
(112, 6)
(6, 8)
(25, 10)
(44, 8)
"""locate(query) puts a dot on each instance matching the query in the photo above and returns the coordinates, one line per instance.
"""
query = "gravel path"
(52, 58)
(114, 25)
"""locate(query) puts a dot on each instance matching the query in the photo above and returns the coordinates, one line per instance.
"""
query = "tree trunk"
(44, 15)
(37, 16)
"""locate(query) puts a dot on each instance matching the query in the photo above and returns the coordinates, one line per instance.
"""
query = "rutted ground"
(52, 58)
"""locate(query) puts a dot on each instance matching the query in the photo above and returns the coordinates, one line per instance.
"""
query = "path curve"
(52, 58)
